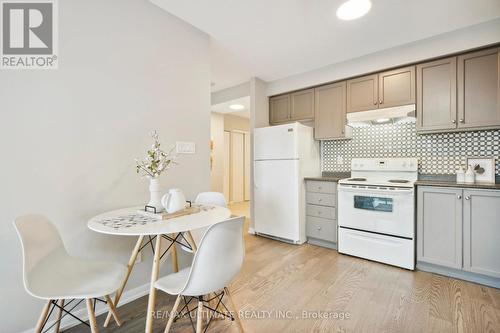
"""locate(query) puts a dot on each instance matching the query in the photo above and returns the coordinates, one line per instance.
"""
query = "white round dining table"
(207, 216)
(128, 222)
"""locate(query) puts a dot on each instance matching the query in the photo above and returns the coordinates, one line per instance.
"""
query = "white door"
(247, 166)
(237, 167)
(227, 164)
(276, 199)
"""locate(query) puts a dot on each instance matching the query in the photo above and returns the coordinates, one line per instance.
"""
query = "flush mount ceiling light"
(382, 120)
(236, 107)
(353, 9)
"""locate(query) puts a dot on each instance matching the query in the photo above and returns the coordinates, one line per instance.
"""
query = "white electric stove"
(376, 209)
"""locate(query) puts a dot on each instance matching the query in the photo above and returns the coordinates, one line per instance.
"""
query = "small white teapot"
(174, 201)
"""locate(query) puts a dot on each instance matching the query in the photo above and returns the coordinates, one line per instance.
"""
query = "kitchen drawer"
(321, 229)
(321, 187)
(321, 211)
(321, 199)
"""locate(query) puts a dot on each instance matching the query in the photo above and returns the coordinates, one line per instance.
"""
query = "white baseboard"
(68, 322)
(251, 231)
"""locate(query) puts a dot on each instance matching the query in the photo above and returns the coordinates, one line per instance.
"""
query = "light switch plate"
(185, 147)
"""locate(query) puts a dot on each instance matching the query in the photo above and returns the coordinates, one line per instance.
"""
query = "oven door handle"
(360, 190)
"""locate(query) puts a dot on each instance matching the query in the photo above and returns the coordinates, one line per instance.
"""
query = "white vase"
(470, 175)
(155, 194)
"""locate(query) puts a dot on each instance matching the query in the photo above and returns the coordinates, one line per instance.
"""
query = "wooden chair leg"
(173, 250)
(235, 309)
(152, 290)
(59, 316)
(173, 314)
(43, 317)
(130, 266)
(199, 317)
(113, 311)
(92, 319)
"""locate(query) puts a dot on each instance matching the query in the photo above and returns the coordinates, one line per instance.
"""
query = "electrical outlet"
(340, 160)
(185, 147)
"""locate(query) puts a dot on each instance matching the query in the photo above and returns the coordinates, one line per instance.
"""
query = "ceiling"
(224, 107)
(278, 38)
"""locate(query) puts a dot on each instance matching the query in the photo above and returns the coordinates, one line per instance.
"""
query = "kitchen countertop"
(423, 180)
(449, 181)
(330, 176)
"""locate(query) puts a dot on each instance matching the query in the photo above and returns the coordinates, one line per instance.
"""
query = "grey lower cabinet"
(321, 213)
(439, 226)
(458, 232)
(481, 245)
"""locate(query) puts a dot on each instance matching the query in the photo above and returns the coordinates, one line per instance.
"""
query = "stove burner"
(399, 181)
(357, 179)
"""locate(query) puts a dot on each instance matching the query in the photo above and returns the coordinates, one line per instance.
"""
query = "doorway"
(237, 165)
(231, 150)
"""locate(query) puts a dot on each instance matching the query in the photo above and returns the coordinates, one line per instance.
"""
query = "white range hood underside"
(404, 113)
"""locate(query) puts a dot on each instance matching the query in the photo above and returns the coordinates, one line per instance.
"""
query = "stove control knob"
(404, 164)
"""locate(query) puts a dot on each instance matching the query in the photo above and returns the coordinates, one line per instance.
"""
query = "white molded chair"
(205, 198)
(51, 274)
(216, 262)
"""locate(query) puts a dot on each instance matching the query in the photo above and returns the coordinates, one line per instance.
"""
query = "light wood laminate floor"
(290, 281)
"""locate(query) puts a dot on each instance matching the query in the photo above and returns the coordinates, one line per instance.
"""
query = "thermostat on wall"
(185, 147)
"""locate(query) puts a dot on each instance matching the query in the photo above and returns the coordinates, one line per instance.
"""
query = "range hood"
(405, 113)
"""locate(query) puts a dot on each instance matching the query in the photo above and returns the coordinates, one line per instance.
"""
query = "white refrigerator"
(283, 156)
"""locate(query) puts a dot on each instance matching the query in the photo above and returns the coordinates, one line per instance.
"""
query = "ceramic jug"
(174, 201)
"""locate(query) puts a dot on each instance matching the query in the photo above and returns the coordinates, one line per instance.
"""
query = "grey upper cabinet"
(330, 111)
(302, 105)
(482, 232)
(292, 107)
(383, 90)
(396, 87)
(362, 93)
(479, 89)
(436, 95)
(279, 109)
(439, 226)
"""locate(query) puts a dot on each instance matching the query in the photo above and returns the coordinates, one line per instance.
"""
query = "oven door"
(382, 210)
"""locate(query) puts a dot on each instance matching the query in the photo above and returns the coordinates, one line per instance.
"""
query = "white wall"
(456, 41)
(259, 117)
(233, 122)
(228, 94)
(217, 135)
(68, 137)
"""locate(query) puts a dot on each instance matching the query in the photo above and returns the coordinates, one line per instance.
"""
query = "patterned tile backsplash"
(441, 153)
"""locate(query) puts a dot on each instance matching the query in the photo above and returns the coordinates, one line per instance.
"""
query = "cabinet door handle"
(319, 228)
(374, 103)
(319, 200)
(454, 121)
(381, 102)
(462, 120)
(467, 197)
(459, 197)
